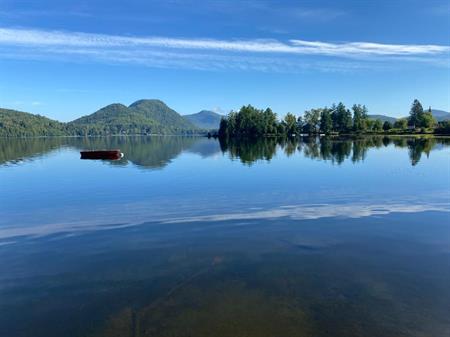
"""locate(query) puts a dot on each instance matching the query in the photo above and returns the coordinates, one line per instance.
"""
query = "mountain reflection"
(145, 152)
(158, 151)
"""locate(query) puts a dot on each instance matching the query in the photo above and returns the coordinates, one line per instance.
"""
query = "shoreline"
(215, 136)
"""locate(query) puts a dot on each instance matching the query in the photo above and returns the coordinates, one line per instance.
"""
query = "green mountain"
(205, 119)
(21, 124)
(114, 119)
(383, 118)
(162, 114)
(141, 117)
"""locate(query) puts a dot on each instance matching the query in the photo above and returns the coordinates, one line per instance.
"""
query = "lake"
(189, 236)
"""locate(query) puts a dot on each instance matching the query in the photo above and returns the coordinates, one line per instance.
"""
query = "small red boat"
(102, 154)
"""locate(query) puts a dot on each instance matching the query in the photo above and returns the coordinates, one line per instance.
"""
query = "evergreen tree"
(347, 122)
(342, 119)
(223, 128)
(416, 114)
(299, 125)
(311, 120)
(290, 123)
(359, 117)
(387, 126)
(326, 122)
(334, 117)
(443, 127)
(270, 122)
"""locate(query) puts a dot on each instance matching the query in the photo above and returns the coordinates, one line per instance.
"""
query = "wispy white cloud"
(219, 110)
(59, 38)
(182, 60)
(368, 48)
(257, 54)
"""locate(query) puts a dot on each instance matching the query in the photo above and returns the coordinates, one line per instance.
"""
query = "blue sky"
(64, 59)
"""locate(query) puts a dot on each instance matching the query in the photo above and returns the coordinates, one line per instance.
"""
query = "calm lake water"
(192, 237)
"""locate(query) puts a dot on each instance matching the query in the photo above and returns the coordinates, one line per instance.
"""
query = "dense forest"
(20, 124)
(250, 122)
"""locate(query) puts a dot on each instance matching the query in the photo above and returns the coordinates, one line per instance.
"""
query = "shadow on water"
(158, 151)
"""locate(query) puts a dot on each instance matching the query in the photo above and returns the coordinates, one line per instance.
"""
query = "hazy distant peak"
(207, 112)
(205, 119)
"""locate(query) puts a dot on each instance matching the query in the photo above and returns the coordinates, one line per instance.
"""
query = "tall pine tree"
(416, 114)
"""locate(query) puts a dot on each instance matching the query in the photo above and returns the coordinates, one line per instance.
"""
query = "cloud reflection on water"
(293, 212)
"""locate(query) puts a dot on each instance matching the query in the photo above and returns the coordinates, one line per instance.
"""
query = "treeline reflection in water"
(334, 149)
(155, 152)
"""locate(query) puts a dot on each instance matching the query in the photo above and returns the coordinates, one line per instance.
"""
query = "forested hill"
(162, 114)
(141, 117)
(20, 124)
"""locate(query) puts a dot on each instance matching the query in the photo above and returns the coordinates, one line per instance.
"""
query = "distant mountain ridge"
(205, 119)
(440, 116)
(383, 118)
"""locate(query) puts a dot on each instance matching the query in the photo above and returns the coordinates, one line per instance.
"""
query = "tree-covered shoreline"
(154, 117)
(250, 122)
